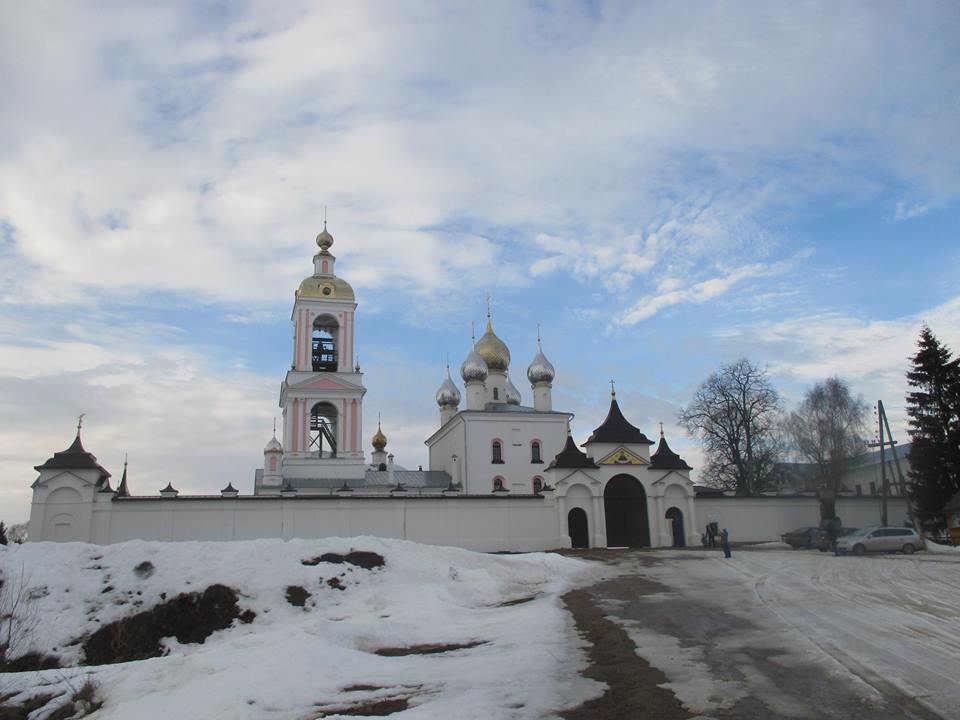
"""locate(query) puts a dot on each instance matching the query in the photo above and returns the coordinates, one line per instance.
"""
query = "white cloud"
(696, 293)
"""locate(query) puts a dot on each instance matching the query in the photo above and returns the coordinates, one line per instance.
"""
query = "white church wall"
(763, 519)
(486, 524)
(516, 431)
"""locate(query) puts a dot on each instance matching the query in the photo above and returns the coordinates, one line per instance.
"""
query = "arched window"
(498, 484)
(537, 485)
(496, 449)
(496, 394)
(535, 455)
(324, 343)
(323, 430)
(273, 464)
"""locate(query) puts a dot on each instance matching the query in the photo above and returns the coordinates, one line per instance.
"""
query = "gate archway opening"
(625, 510)
(577, 528)
(675, 516)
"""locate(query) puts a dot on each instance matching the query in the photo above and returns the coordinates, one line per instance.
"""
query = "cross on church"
(613, 390)
(80, 422)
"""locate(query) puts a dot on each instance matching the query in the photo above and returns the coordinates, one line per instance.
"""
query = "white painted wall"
(486, 524)
(470, 437)
(767, 518)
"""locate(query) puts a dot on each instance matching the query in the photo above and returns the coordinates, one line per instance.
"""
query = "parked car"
(880, 539)
(806, 537)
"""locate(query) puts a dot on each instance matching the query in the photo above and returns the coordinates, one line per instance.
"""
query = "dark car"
(806, 537)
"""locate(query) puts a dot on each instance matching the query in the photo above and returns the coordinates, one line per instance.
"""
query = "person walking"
(725, 542)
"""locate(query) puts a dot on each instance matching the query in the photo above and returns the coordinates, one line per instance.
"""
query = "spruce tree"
(933, 405)
(3, 533)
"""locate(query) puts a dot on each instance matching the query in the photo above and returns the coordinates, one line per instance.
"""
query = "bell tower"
(322, 395)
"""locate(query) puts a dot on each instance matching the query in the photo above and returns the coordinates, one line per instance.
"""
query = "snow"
(297, 662)
(869, 621)
(941, 549)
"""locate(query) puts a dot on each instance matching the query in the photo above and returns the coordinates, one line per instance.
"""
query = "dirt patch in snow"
(297, 595)
(375, 707)
(361, 558)
(632, 683)
(29, 661)
(428, 649)
(189, 617)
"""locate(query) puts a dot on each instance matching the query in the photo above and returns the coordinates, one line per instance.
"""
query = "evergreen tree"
(3, 533)
(933, 405)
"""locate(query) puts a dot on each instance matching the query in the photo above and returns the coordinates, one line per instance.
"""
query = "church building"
(502, 474)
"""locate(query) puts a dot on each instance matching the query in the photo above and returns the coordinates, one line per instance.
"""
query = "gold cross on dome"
(613, 390)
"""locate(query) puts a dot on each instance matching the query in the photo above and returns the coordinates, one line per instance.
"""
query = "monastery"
(502, 476)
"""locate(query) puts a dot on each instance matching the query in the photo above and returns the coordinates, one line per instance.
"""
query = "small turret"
(448, 398)
(474, 372)
(379, 442)
(540, 373)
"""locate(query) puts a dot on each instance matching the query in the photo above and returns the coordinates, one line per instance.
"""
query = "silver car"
(880, 539)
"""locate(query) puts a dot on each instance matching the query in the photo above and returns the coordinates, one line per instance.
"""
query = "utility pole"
(883, 463)
(884, 424)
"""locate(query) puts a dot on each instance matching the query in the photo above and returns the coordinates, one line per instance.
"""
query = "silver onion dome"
(474, 368)
(513, 395)
(540, 369)
(448, 394)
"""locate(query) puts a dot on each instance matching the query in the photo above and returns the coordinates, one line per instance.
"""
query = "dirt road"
(769, 635)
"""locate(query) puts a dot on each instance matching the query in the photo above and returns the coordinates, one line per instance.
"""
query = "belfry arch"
(625, 512)
(324, 343)
(323, 430)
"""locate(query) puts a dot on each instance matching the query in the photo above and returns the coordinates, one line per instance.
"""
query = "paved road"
(779, 634)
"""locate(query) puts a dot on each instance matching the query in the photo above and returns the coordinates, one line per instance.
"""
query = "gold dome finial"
(324, 239)
(379, 439)
(491, 348)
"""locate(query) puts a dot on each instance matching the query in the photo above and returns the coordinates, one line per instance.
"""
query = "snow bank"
(293, 662)
(938, 548)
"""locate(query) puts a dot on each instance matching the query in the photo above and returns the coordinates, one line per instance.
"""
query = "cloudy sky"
(663, 187)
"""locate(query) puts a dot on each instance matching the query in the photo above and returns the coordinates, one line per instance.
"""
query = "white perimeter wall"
(766, 518)
(483, 524)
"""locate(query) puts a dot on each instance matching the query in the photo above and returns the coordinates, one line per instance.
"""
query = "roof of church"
(616, 429)
(74, 458)
(666, 459)
(572, 457)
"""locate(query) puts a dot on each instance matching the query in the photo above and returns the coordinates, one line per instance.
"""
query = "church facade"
(501, 476)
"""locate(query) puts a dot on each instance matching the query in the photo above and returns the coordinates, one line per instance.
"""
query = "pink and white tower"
(322, 395)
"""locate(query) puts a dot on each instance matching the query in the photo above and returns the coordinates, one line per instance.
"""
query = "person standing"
(725, 542)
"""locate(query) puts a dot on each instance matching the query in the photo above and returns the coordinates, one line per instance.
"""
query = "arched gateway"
(675, 515)
(625, 509)
(577, 528)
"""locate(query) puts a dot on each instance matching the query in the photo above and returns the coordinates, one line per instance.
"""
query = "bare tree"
(827, 430)
(737, 414)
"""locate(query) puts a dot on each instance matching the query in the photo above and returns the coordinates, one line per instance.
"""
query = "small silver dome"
(513, 395)
(540, 369)
(448, 394)
(274, 445)
(474, 368)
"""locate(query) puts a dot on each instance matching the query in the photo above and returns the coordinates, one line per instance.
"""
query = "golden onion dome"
(326, 287)
(493, 350)
(379, 439)
(324, 239)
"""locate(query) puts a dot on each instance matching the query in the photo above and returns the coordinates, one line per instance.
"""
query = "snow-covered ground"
(293, 662)
(869, 622)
